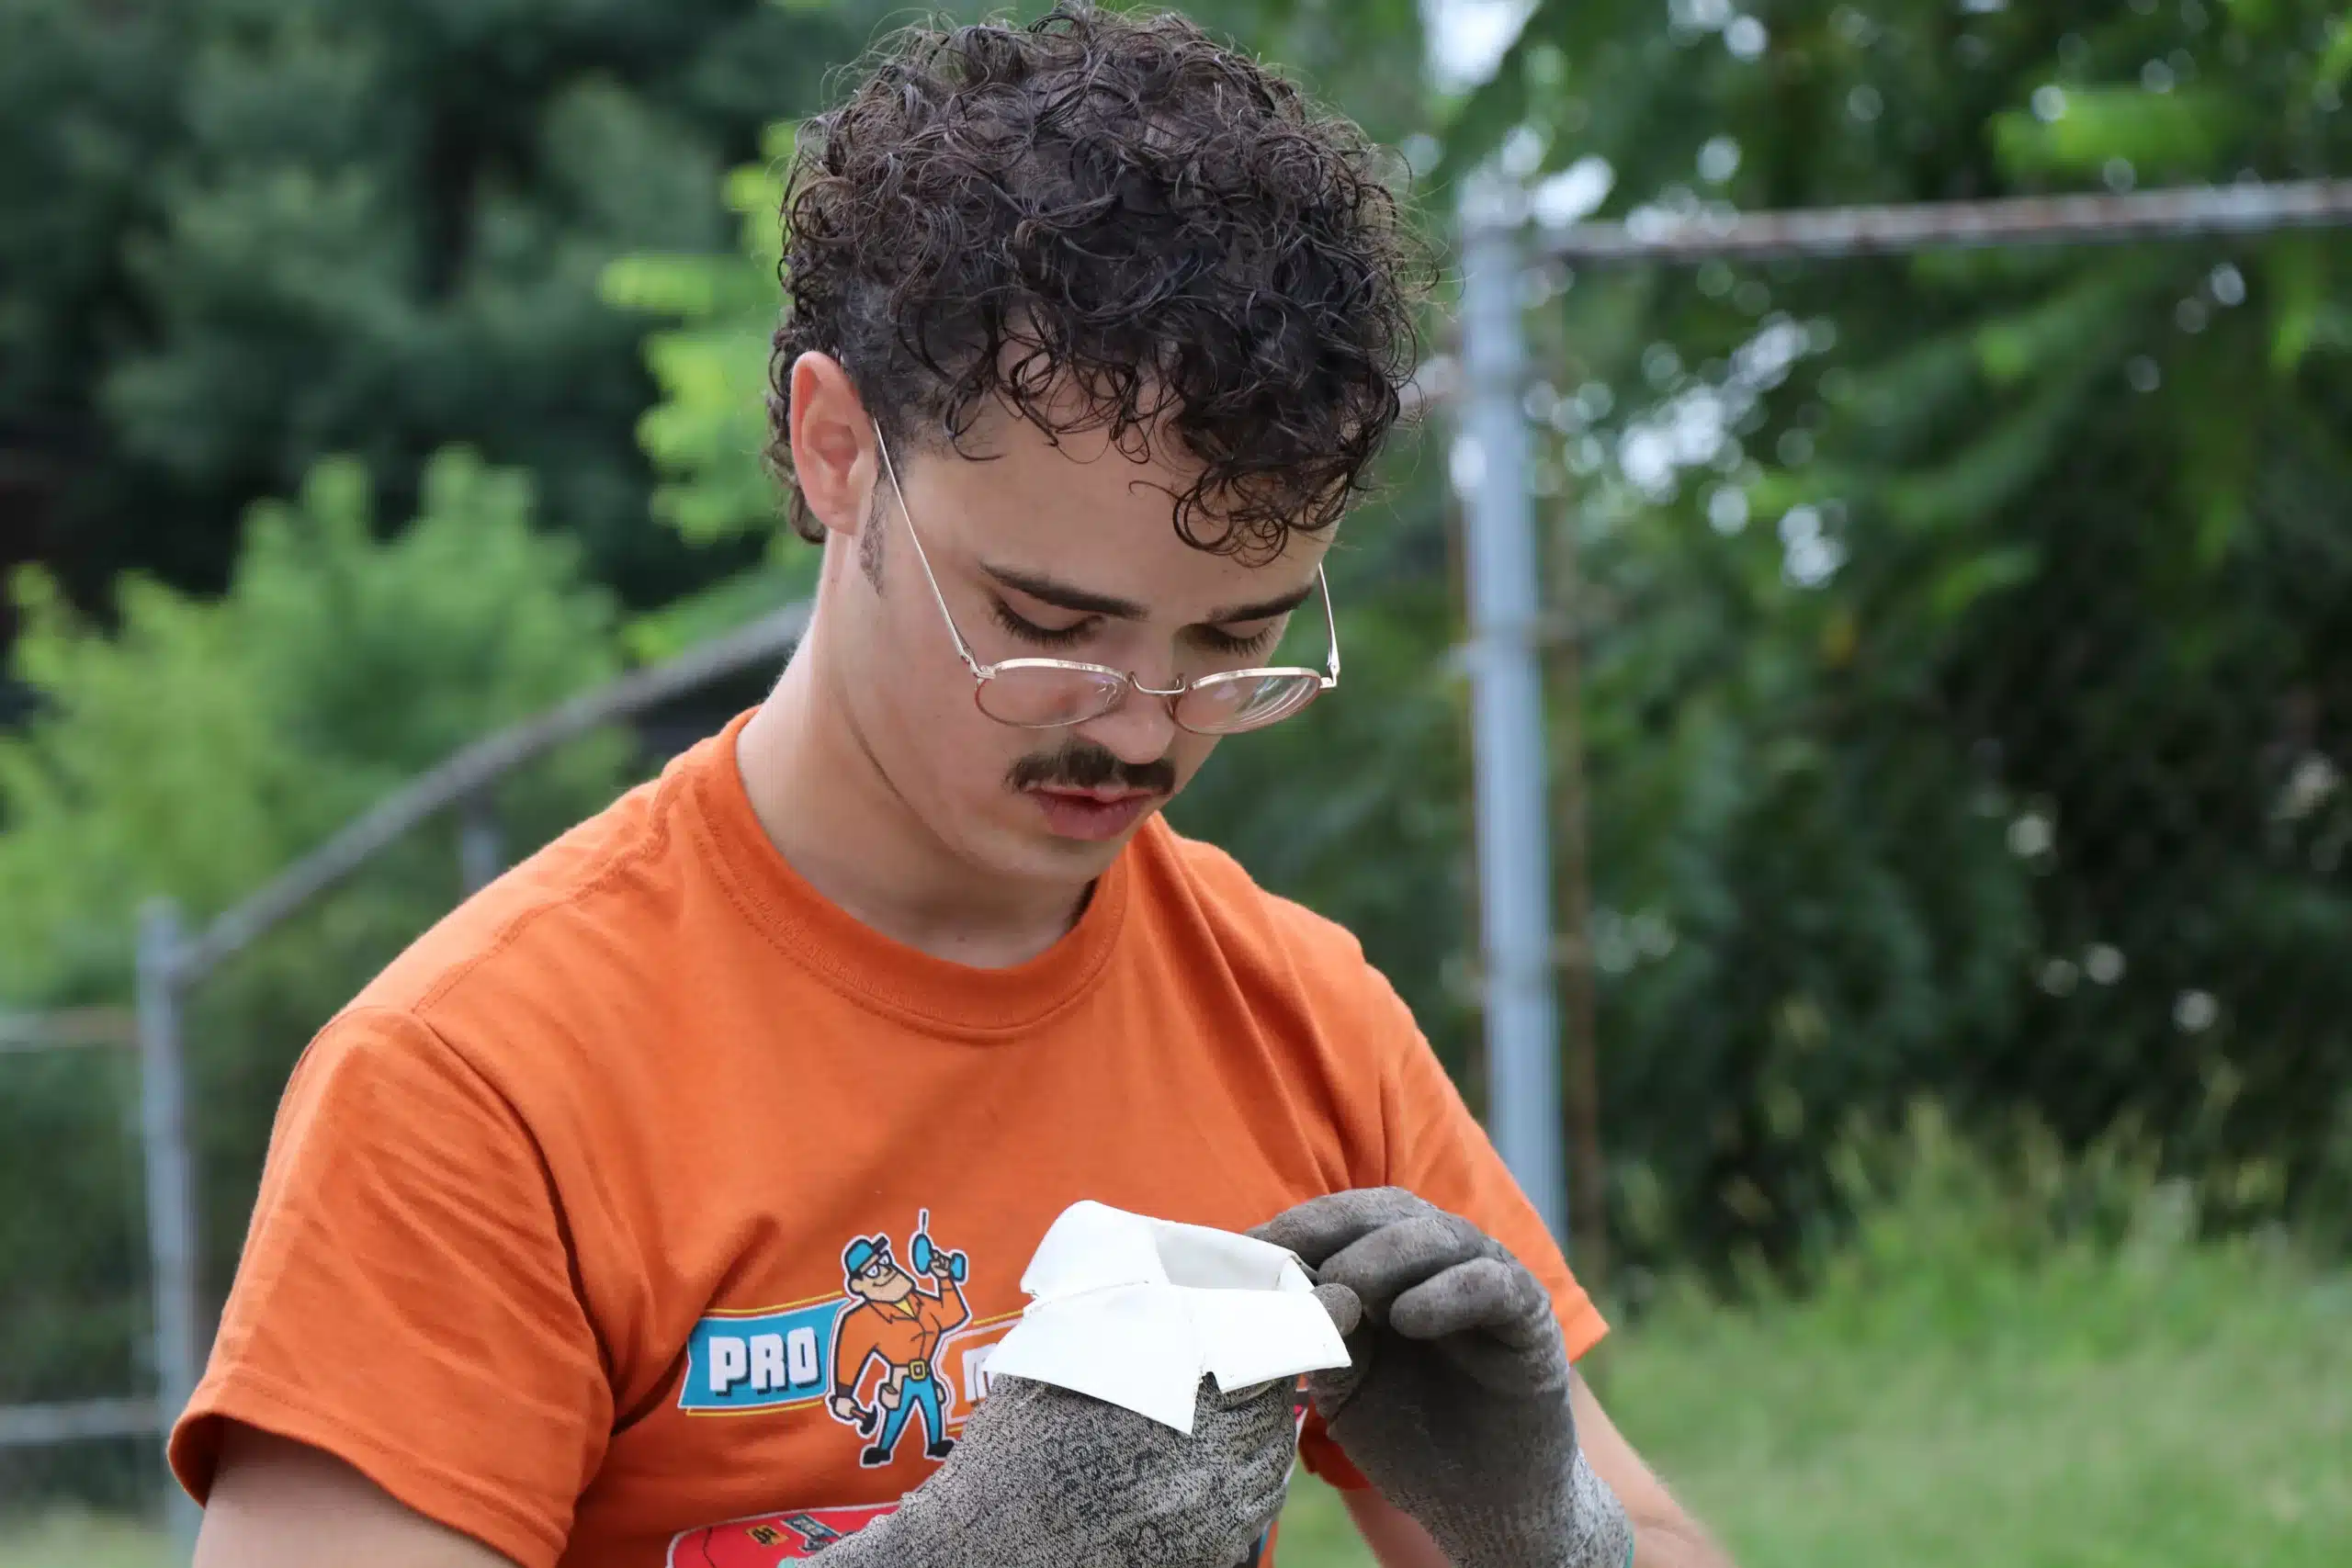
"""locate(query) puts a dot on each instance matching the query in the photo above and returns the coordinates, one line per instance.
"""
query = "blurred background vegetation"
(1953, 670)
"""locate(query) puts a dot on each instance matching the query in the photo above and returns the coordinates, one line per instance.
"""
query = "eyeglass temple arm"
(1331, 626)
(963, 649)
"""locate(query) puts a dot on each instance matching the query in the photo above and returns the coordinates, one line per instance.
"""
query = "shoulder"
(1259, 930)
(580, 932)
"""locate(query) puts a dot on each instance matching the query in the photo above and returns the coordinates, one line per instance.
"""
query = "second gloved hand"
(1457, 1403)
(1046, 1478)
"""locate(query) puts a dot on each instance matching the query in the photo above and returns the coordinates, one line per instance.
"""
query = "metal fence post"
(481, 850)
(171, 1201)
(1504, 589)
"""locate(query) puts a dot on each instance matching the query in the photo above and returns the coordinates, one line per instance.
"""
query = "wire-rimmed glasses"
(1048, 694)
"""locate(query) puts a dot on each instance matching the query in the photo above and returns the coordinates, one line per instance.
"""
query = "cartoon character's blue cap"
(858, 1254)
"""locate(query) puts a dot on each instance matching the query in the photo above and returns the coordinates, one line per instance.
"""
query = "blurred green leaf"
(2296, 273)
(2180, 132)
(2059, 329)
(1956, 589)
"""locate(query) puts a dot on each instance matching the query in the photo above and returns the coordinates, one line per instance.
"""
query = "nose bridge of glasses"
(1168, 695)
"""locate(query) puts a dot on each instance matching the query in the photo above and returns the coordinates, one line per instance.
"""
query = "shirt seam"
(647, 846)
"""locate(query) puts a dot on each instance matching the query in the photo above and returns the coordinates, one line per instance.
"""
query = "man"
(1091, 329)
(900, 1325)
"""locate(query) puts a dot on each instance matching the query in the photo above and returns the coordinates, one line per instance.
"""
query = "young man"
(575, 1244)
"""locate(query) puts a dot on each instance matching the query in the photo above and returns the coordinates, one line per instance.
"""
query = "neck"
(833, 815)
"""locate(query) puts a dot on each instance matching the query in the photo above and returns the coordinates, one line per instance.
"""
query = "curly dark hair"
(1115, 203)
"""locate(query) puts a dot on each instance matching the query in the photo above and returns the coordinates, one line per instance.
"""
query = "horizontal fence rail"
(476, 768)
(68, 1028)
(38, 1426)
(1830, 233)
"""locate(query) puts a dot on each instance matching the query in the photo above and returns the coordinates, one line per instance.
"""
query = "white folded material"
(1135, 1311)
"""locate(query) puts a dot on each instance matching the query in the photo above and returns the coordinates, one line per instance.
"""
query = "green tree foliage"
(195, 750)
(238, 235)
(706, 433)
(205, 742)
(1967, 688)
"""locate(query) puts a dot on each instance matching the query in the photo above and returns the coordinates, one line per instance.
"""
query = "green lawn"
(2173, 1410)
(2163, 1407)
(1960, 1392)
(75, 1540)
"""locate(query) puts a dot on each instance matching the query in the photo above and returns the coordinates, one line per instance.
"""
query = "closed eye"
(1031, 632)
(1217, 642)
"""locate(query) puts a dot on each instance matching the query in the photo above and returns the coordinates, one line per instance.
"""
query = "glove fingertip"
(1344, 1305)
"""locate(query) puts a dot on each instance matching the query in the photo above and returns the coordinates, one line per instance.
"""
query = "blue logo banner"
(761, 1361)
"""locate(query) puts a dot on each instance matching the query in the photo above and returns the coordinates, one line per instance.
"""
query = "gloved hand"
(1455, 1404)
(1046, 1478)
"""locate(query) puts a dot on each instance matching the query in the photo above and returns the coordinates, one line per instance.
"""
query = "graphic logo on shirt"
(766, 1541)
(898, 1350)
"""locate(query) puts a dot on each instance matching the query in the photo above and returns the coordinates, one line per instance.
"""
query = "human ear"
(832, 444)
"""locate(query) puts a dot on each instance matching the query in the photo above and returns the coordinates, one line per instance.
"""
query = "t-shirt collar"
(934, 993)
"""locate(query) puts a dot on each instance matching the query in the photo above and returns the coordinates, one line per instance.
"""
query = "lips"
(1091, 815)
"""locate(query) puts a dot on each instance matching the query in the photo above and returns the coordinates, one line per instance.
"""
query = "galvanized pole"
(1490, 461)
(481, 850)
(171, 1201)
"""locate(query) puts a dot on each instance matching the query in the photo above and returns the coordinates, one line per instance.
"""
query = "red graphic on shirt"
(798, 1533)
(767, 1539)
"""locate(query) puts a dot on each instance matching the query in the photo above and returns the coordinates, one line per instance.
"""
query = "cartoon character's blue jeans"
(913, 1391)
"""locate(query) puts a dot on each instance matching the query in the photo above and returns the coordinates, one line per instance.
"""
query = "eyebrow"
(1064, 596)
(1086, 601)
(1262, 609)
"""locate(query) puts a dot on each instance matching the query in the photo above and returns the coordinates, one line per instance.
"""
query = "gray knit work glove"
(1046, 1478)
(1455, 1405)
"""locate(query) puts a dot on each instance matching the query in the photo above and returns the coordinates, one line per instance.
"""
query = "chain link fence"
(1911, 658)
(1948, 691)
(77, 1339)
(102, 1339)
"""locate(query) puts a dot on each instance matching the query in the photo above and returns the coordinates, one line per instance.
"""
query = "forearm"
(1663, 1535)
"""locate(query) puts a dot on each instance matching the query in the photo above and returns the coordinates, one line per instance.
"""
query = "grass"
(1975, 1380)
(2172, 1411)
(1317, 1531)
(80, 1540)
(1963, 1386)
(2182, 1412)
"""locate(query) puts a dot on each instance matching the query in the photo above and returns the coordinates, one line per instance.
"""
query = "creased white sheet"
(1135, 1310)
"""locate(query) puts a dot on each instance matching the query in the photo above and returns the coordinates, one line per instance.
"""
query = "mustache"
(1081, 764)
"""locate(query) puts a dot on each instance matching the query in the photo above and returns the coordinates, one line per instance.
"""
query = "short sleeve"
(1437, 1149)
(405, 1299)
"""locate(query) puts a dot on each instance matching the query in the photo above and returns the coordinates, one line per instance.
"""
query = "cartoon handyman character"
(903, 1323)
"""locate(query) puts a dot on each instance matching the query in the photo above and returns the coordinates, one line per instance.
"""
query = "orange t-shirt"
(556, 1236)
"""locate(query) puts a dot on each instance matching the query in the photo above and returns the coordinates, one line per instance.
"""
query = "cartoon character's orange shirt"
(550, 1239)
(904, 1332)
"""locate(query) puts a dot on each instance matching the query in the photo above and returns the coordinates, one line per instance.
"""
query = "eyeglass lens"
(1045, 697)
(1042, 698)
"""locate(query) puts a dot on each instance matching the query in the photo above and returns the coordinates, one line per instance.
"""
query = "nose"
(1140, 729)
